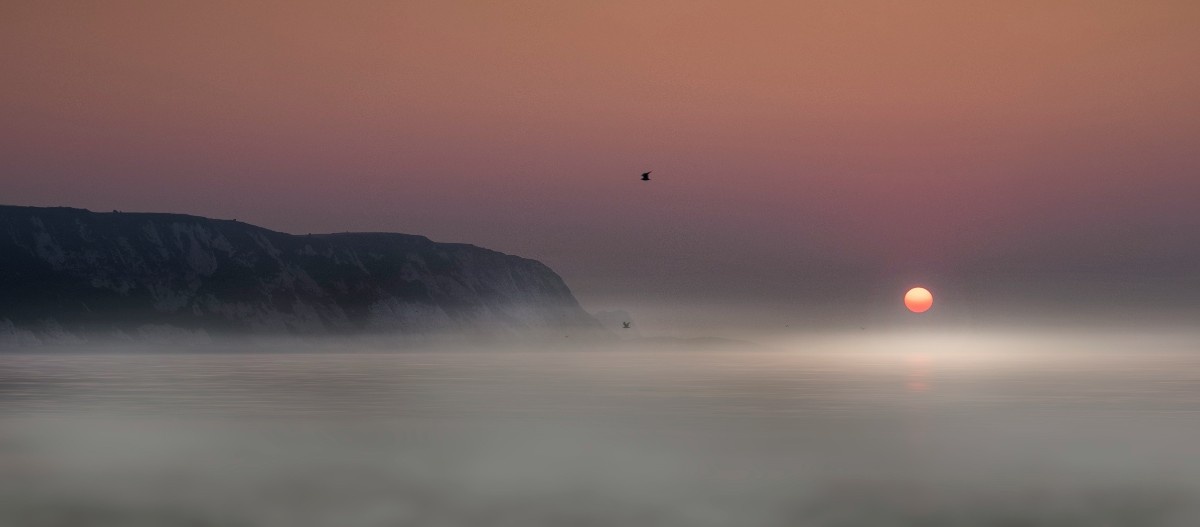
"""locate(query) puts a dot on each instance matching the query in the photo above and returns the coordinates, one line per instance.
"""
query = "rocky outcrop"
(73, 271)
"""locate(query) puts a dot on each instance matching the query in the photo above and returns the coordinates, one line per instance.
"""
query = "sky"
(800, 149)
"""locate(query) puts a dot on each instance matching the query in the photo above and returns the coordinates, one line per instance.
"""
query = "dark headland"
(66, 273)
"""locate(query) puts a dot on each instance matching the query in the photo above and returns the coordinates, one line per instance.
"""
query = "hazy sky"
(790, 141)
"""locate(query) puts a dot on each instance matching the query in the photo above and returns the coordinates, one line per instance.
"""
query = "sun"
(918, 300)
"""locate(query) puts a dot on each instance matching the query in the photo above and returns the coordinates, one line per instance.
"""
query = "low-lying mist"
(920, 427)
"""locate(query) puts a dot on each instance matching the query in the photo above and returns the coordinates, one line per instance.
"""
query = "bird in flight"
(646, 176)
(625, 325)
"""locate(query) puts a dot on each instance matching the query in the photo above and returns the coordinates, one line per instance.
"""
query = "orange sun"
(918, 300)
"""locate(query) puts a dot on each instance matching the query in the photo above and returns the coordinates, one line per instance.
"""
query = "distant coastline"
(66, 273)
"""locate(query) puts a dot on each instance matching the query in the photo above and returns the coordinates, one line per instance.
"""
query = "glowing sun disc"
(918, 300)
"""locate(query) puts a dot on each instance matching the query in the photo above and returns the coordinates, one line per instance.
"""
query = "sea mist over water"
(834, 429)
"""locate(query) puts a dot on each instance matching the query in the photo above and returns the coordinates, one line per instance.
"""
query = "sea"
(998, 428)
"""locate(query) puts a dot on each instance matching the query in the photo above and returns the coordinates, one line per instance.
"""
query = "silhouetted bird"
(625, 325)
(646, 176)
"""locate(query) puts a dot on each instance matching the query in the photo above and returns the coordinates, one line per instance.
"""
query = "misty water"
(903, 429)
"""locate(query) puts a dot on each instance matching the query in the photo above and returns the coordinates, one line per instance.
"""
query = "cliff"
(69, 271)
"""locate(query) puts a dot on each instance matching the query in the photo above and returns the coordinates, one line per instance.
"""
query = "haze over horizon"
(801, 153)
(901, 264)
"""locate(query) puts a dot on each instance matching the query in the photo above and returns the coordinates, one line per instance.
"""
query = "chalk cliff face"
(70, 271)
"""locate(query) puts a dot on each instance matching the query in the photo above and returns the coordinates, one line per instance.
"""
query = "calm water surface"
(888, 430)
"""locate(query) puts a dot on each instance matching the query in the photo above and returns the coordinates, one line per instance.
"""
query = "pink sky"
(906, 137)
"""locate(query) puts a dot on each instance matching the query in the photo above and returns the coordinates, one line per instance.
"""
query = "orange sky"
(784, 136)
